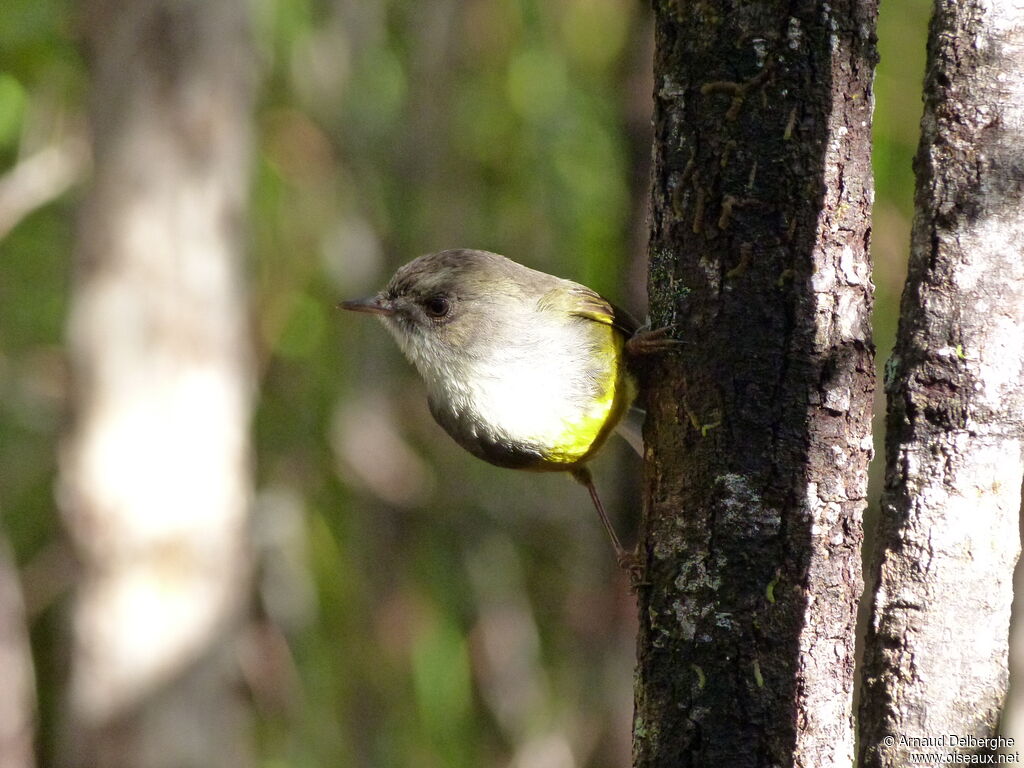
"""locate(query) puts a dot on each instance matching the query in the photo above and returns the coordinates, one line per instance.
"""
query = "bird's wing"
(585, 303)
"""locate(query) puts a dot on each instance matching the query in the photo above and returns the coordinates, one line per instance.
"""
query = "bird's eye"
(437, 306)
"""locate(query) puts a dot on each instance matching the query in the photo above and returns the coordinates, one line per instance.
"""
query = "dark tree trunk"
(759, 428)
(936, 652)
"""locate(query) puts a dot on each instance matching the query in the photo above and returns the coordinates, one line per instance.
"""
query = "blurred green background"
(397, 577)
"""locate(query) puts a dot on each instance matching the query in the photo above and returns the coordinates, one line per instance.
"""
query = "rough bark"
(17, 692)
(155, 473)
(936, 653)
(759, 428)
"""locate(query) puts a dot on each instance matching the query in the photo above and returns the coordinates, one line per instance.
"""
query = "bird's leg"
(626, 559)
(651, 342)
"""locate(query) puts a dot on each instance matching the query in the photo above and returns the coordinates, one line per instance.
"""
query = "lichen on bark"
(936, 652)
(759, 428)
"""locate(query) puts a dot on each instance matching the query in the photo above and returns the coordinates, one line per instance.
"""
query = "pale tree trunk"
(936, 653)
(155, 474)
(759, 427)
(17, 679)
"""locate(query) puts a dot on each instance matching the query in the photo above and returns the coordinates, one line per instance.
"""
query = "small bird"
(523, 369)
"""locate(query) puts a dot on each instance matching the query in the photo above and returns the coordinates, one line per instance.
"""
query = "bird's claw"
(655, 341)
(630, 562)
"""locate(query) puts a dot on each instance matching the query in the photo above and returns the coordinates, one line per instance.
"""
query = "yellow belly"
(573, 440)
(542, 405)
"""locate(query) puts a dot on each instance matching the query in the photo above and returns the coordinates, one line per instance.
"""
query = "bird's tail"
(631, 428)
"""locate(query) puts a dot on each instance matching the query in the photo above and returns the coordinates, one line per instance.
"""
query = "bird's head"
(446, 309)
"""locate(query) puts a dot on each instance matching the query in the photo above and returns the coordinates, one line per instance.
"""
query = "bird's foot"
(630, 562)
(655, 341)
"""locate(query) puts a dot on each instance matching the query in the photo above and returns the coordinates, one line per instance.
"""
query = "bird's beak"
(374, 305)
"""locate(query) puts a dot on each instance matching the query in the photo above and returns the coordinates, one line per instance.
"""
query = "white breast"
(528, 401)
(529, 385)
(531, 392)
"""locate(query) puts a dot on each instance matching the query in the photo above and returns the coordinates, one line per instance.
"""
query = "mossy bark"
(759, 428)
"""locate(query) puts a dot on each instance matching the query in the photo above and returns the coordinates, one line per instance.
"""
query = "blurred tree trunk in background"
(759, 429)
(155, 475)
(17, 692)
(936, 653)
